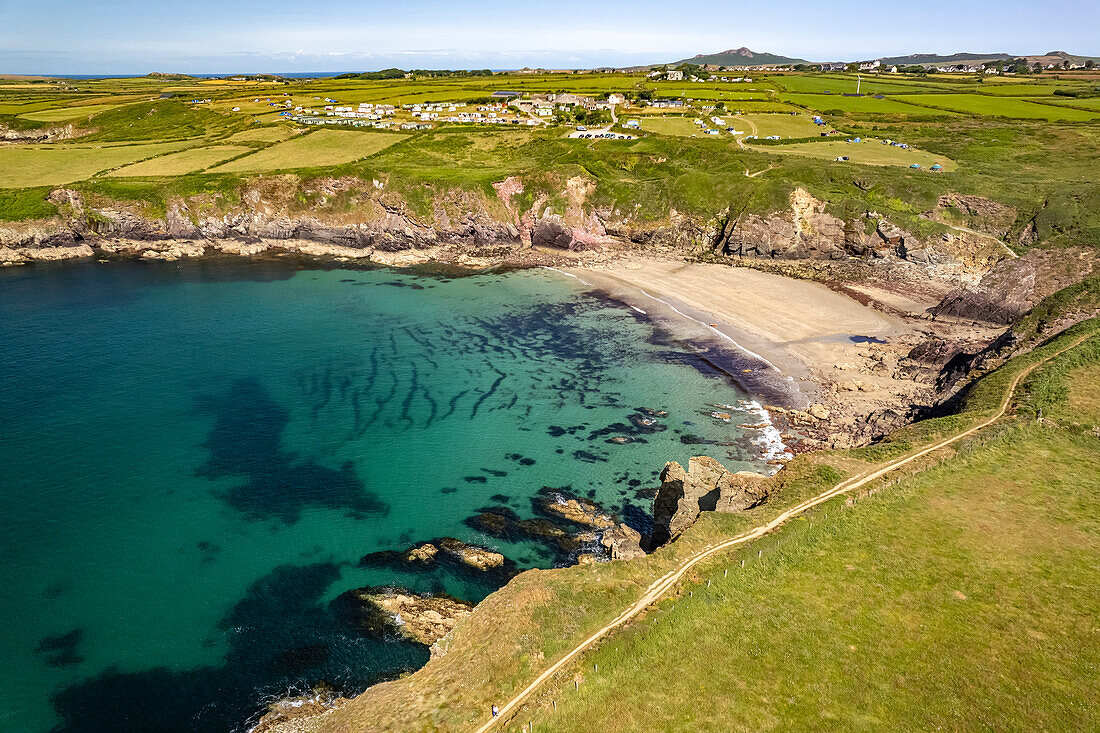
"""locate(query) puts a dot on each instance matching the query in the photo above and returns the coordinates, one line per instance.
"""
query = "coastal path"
(658, 588)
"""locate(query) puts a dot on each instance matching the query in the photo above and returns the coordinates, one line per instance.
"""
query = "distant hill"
(921, 59)
(170, 77)
(1054, 57)
(932, 59)
(739, 57)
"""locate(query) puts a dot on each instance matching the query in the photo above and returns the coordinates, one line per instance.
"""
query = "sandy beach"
(831, 349)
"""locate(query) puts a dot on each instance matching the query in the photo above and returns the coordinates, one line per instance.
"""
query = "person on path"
(495, 711)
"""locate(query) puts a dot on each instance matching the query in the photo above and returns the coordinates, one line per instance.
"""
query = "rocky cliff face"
(1014, 286)
(379, 227)
(706, 486)
(40, 135)
(376, 224)
(807, 231)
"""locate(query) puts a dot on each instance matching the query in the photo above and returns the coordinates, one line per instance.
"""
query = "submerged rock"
(706, 486)
(569, 525)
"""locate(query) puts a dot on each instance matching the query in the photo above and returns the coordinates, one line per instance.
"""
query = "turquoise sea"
(195, 457)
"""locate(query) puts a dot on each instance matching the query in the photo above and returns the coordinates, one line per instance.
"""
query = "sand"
(811, 336)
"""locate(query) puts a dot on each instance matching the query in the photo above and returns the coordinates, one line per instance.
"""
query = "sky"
(249, 36)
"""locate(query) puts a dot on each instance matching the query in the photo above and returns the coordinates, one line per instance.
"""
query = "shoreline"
(825, 364)
(759, 368)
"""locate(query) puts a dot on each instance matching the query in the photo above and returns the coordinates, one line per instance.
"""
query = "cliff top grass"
(868, 151)
(956, 590)
(185, 161)
(22, 167)
(320, 148)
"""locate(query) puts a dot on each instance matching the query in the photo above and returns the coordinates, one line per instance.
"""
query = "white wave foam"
(768, 437)
(567, 274)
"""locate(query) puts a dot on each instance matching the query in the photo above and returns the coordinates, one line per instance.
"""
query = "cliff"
(352, 218)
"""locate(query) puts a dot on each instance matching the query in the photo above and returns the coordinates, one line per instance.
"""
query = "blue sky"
(211, 36)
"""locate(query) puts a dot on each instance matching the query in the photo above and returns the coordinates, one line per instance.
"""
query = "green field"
(183, 162)
(324, 147)
(828, 103)
(48, 166)
(64, 114)
(13, 107)
(262, 134)
(708, 93)
(977, 104)
(868, 152)
(844, 83)
(766, 107)
(1089, 103)
(1036, 88)
(784, 125)
(679, 126)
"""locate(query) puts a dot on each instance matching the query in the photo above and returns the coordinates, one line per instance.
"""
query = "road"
(527, 110)
(658, 588)
(740, 143)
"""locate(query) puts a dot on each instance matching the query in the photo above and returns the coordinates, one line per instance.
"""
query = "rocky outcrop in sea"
(706, 486)
(399, 612)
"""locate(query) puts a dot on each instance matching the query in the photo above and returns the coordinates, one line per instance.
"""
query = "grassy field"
(784, 125)
(185, 161)
(321, 148)
(845, 83)
(829, 103)
(868, 152)
(35, 104)
(1092, 103)
(977, 104)
(1015, 88)
(161, 120)
(679, 126)
(64, 114)
(41, 165)
(262, 134)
